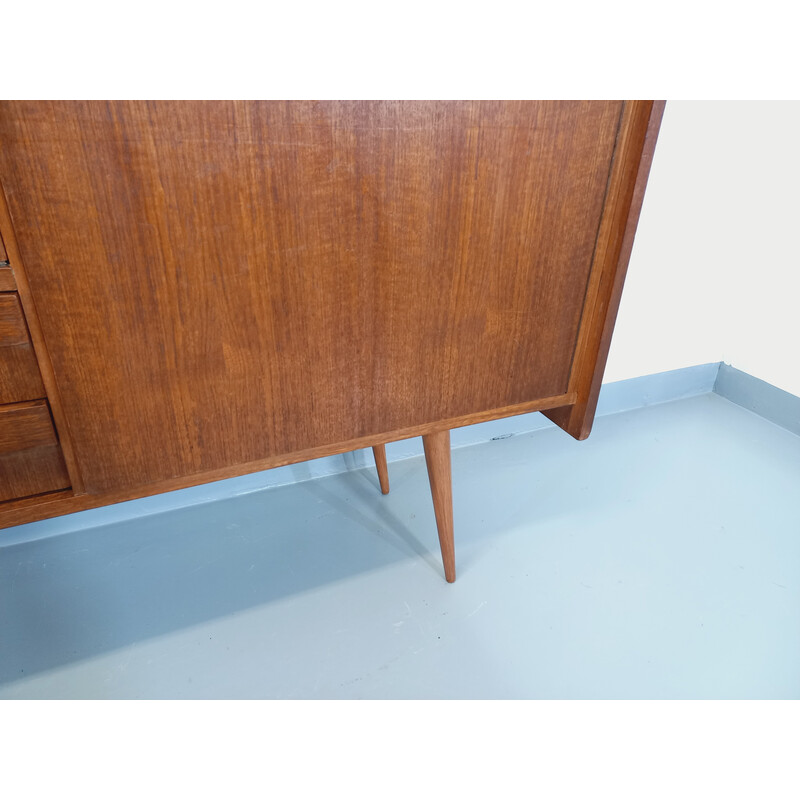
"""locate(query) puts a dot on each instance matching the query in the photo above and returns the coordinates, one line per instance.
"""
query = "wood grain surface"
(630, 170)
(381, 465)
(16, 513)
(7, 282)
(30, 472)
(437, 460)
(19, 372)
(40, 348)
(220, 284)
(25, 425)
(30, 457)
(13, 330)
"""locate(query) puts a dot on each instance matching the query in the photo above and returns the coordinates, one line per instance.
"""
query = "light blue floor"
(658, 559)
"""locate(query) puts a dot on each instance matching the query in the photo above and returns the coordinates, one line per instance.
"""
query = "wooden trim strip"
(17, 512)
(34, 499)
(39, 346)
(629, 171)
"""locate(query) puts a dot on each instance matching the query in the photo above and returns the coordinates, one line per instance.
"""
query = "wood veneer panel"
(19, 375)
(25, 425)
(30, 457)
(44, 363)
(19, 372)
(13, 330)
(627, 183)
(7, 282)
(53, 505)
(27, 505)
(219, 283)
(32, 472)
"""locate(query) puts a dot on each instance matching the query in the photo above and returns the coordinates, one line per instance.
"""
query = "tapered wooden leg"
(379, 451)
(437, 457)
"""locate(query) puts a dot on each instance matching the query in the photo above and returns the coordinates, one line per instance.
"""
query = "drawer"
(7, 282)
(30, 455)
(19, 371)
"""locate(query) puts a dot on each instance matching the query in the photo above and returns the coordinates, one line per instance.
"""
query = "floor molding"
(760, 397)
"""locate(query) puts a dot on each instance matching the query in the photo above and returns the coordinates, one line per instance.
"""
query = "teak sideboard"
(195, 290)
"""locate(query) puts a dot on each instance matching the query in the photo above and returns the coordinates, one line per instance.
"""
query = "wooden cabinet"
(219, 287)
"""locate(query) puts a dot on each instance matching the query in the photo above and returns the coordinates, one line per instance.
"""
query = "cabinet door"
(223, 282)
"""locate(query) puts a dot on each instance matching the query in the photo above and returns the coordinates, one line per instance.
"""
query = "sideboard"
(195, 290)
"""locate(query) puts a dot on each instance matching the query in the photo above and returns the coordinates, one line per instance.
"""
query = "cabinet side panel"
(630, 170)
(219, 283)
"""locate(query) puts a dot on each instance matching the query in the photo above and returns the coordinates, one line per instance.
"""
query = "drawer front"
(7, 282)
(19, 372)
(30, 455)
(13, 329)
